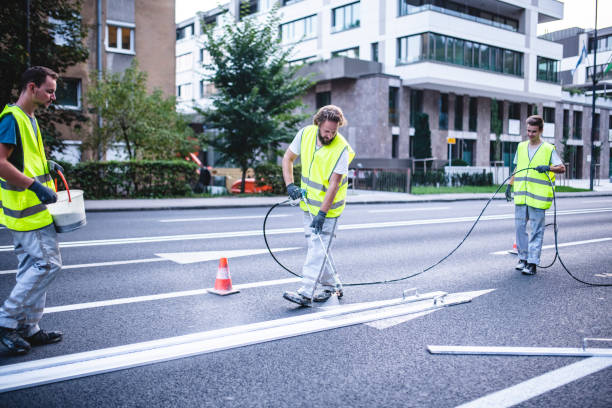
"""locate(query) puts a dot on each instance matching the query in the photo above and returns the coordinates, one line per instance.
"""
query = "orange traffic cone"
(514, 250)
(223, 283)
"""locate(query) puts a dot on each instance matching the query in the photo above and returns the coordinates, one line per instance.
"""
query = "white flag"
(583, 55)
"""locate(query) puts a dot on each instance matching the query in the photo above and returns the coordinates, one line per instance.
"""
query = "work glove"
(53, 166)
(44, 194)
(543, 169)
(509, 192)
(317, 222)
(294, 191)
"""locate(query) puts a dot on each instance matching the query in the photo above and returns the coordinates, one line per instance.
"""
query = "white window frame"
(79, 104)
(120, 26)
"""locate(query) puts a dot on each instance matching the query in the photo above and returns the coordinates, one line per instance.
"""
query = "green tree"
(147, 124)
(422, 136)
(55, 38)
(257, 97)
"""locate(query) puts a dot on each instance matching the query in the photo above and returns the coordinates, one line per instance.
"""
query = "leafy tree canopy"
(257, 97)
(147, 124)
(56, 40)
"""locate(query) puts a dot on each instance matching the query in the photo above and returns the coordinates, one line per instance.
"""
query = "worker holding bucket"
(25, 189)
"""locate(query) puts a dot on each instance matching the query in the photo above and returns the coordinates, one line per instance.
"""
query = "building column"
(466, 113)
(559, 128)
(483, 142)
(586, 140)
(404, 122)
(505, 106)
(431, 99)
(451, 110)
(604, 156)
(523, 121)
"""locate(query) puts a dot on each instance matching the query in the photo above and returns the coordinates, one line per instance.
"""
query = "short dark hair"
(535, 120)
(38, 75)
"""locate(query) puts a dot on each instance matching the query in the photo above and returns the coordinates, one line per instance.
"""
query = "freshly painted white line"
(258, 232)
(392, 210)
(522, 351)
(202, 256)
(160, 296)
(604, 275)
(241, 217)
(565, 244)
(29, 374)
(539, 385)
(386, 323)
(178, 257)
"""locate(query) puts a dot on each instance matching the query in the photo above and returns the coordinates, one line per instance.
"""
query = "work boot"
(521, 265)
(42, 337)
(297, 298)
(323, 296)
(13, 341)
(530, 269)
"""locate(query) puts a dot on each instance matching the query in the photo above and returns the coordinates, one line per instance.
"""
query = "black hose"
(555, 227)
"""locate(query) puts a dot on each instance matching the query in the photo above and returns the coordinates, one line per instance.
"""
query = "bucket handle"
(65, 185)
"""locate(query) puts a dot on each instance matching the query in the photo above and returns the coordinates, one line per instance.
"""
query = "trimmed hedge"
(130, 179)
(432, 178)
(272, 174)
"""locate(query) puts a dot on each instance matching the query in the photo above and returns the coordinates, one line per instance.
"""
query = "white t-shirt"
(341, 166)
(555, 160)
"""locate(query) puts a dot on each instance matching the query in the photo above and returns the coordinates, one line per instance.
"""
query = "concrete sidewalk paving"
(601, 188)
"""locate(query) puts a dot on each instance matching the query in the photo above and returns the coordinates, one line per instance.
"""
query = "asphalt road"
(128, 279)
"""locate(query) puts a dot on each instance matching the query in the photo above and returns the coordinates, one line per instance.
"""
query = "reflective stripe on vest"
(21, 208)
(317, 168)
(530, 186)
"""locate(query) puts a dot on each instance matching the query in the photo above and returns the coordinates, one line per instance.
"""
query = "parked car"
(249, 187)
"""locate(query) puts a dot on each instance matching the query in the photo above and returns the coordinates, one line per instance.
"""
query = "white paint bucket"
(68, 215)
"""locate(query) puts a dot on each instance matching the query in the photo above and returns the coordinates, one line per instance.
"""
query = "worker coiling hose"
(557, 255)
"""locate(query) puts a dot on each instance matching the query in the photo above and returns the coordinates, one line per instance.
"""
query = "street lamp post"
(592, 167)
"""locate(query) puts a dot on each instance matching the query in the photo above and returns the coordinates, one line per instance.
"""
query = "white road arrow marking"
(202, 256)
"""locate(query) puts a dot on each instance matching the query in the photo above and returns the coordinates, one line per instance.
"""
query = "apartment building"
(384, 61)
(142, 29)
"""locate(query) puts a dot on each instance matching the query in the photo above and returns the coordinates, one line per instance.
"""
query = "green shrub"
(130, 179)
(459, 162)
(272, 174)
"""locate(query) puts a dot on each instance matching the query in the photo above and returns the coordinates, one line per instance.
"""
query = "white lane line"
(258, 232)
(392, 210)
(241, 217)
(565, 244)
(170, 295)
(523, 351)
(539, 385)
(178, 257)
(55, 369)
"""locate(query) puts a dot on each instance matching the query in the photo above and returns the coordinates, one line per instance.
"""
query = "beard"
(323, 141)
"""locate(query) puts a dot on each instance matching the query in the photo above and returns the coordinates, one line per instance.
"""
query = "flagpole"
(592, 173)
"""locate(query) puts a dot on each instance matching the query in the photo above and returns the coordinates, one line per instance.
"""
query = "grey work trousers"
(529, 246)
(316, 261)
(39, 263)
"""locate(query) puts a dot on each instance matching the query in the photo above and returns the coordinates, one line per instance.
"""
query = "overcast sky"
(577, 13)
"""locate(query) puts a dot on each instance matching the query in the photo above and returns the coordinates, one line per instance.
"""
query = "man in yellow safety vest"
(533, 192)
(325, 156)
(25, 188)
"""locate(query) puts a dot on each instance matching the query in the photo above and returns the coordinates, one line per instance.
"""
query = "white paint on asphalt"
(541, 384)
(45, 371)
(523, 351)
(97, 264)
(565, 244)
(202, 256)
(160, 296)
(281, 231)
(241, 217)
(393, 210)
(386, 323)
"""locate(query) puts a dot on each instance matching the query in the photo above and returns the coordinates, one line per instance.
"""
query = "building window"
(416, 105)
(394, 146)
(514, 111)
(455, 9)
(375, 52)
(601, 72)
(183, 92)
(288, 2)
(437, 47)
(184, 62)
(603, 44)
(548, 114)
(68, 93)
(248, 7)
(349, 52)
(345, 17)
(302, 60)
(298, 30)
(443, 112)
(120, 37)
(183, 33)
(565, 124)
(473, 118)
(577, 125)
(458, 112)
(548, 70)
(323, 99)
(393, 106)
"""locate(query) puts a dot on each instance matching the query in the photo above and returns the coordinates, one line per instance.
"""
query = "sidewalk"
(603, 188)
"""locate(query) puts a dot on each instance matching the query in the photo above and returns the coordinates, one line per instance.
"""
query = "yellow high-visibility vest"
(317, 167)
(530, 186)
(22, 210)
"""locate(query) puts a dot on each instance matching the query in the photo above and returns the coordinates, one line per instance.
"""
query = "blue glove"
(317, 222)
(509, 192)
(295, 193)
(543, 169)
(53, 166)
(44, 194)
